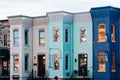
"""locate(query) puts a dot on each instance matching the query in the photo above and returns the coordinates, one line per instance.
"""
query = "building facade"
(4, 48)
(60, 45)
(82, 40)
(106, 23)
(40, 46)
(21, 48)
(63, 45)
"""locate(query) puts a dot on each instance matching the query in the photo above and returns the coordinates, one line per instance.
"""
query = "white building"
(21, 47)
(40, 44)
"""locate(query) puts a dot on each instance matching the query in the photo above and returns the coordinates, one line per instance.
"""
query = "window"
(56, 62)
(16, 62)
(113, 33)
(101, 62)
(26, 62)
(113, 62)
(15, 37)
(102, 33)
(56, 34)
(82, 34)
(5, 40)
(67, 35)
(41, 37)
(67, 62)
(26, 36)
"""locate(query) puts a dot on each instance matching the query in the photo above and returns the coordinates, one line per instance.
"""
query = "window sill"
(15, 45)
(27, 45)
(26, 71)
(41, 45)
(113, 41)
(113, 70)
(15, 71)
(101, 70)
(101, 41)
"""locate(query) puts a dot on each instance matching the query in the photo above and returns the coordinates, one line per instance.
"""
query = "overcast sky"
(40, 7)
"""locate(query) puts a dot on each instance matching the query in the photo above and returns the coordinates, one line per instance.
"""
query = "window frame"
(67, 36)
(14, 63)
(101, 63)
(55, 68)
(26, 39)
(41, 30)
(113, 62)
(85, 34)
(5, 39)
(57, 35)
(14, 37)
(26, 66)
(113, 33)
(102, 32)
(67, 62)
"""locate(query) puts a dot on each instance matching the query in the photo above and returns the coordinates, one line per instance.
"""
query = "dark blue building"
(106, 34)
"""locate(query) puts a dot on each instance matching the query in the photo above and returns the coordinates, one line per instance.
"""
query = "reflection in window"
(67, 35)
(102, 33)
(67, 62)
(16, 62)
(82, 34)
(15, 37)
(56, 62)
(26, 62)
(101, 62)
(26, 36)
(56, 34)
(41, 37)
(5, 40)
(113, 62)
(113, 33)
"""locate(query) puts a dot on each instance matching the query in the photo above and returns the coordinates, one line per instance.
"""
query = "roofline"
(82, 12)
(5, 20)
(39, 17)
(105, 7)
(53, 12)
(19, 16)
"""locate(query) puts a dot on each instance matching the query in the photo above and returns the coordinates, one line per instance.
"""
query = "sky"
(41, 7)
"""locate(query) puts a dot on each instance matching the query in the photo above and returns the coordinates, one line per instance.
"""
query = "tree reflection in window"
(102, 33)
(56, 62)
(101, 62)
(16, 62)
(113, 33)
(113, 62)
(56, 34)
(82, 34)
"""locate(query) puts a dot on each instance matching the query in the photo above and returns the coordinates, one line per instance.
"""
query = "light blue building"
(82, 41)
(60, 44)
(69, 35)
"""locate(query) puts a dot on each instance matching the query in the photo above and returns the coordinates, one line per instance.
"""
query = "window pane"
(102, 33)
(41, 37)
(101, 62)
(113, 62)
(56, 62)
(16, 63)
(26, 62)
(67, 62)
(26, 37)
(82, 34)
(15, 37)
(67, 35)
(5, 40)
(56, 34)
(113, 33)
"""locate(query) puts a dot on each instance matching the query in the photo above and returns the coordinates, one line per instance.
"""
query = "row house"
(4, 48)
(63, 45)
